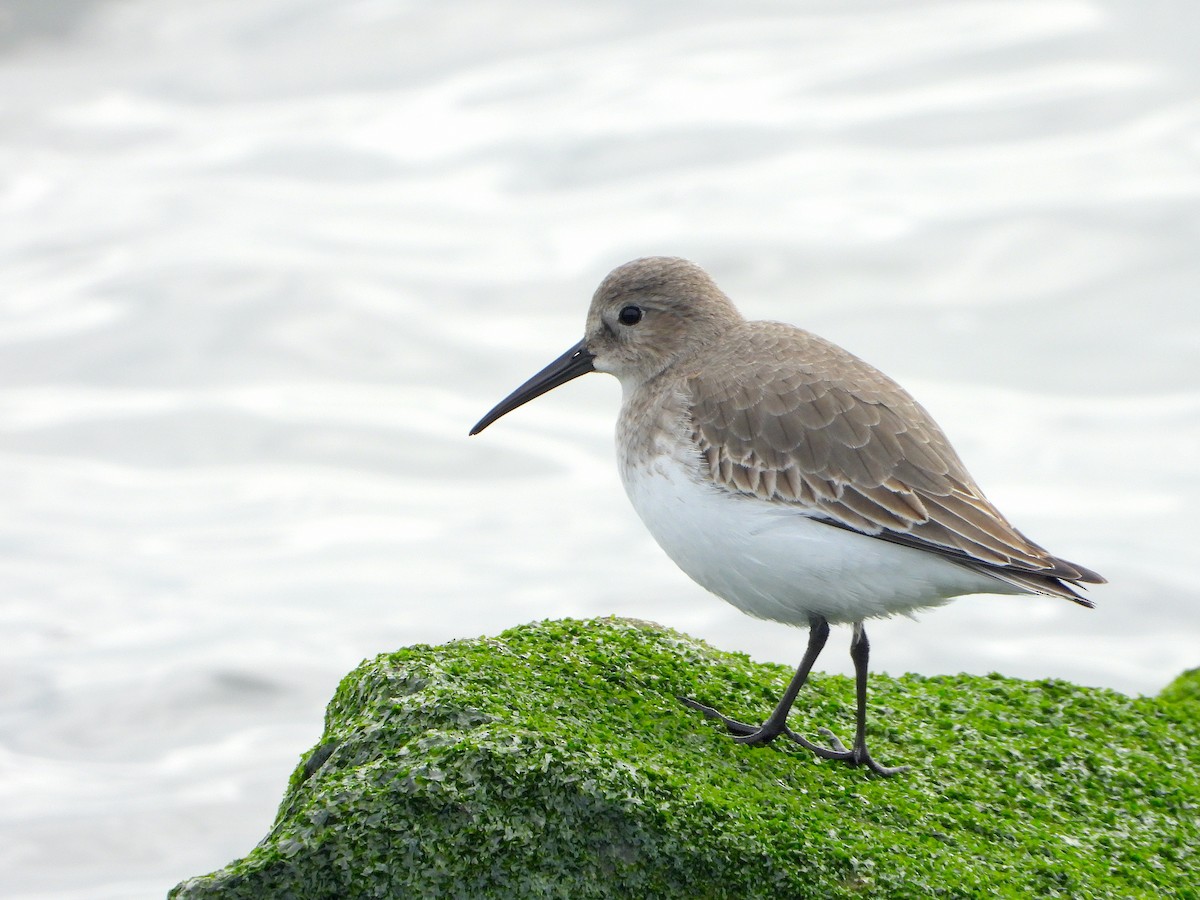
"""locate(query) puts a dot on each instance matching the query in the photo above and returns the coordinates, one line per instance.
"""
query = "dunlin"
(787, 476)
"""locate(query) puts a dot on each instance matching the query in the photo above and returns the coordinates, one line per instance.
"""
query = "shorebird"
(788, 477)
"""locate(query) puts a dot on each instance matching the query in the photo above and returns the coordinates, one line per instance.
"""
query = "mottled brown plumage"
(788, 417)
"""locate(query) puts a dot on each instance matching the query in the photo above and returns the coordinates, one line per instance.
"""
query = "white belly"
(773, 562)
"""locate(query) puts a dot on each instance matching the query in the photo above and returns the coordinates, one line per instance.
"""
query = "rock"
(555, 761)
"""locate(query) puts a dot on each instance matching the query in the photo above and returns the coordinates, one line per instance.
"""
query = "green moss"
(1184, 689)
(555, 761)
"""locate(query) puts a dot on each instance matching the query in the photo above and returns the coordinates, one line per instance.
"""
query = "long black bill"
(575, 362)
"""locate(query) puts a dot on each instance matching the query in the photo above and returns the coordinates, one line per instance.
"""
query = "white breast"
(772, 561)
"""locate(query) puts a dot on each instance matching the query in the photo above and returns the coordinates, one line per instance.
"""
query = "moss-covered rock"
(1184, 689)
(555, 761)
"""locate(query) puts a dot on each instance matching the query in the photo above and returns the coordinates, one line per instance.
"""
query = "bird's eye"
(630, 315)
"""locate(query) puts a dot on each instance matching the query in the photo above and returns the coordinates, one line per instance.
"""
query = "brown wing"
(788, 417)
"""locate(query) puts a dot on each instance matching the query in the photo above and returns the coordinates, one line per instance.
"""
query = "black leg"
(818, 634)
(860, 652)
(776, 724)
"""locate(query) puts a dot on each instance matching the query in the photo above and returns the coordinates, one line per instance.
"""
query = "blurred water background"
(263, 263)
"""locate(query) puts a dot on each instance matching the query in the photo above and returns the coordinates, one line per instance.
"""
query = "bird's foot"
(755, 735)
(856, 755)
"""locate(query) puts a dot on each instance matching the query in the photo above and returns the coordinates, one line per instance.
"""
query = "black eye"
(630, 315)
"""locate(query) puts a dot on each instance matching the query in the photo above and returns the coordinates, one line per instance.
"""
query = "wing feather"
(788, 417)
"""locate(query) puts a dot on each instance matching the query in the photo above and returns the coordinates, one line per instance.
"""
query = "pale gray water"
(262, 264)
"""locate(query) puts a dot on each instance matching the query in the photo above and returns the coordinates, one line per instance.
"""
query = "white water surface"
(264, 262)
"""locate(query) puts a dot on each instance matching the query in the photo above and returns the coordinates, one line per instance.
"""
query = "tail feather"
(1051, 585)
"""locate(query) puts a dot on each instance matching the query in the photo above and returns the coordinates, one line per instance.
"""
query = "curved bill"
(575, 362)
